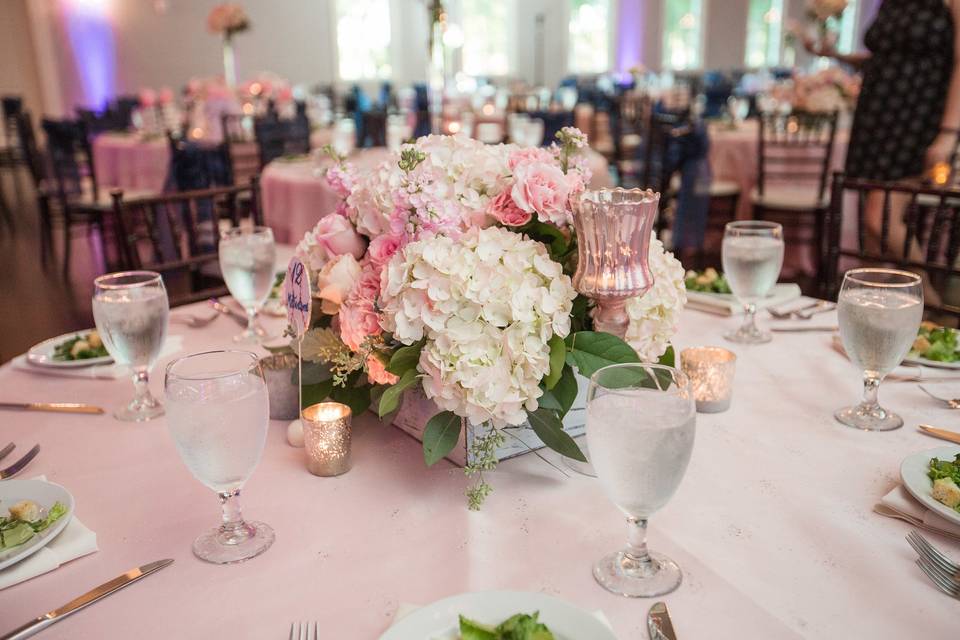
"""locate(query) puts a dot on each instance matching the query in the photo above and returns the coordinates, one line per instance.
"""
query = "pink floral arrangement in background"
(227, 19)
(831, 89)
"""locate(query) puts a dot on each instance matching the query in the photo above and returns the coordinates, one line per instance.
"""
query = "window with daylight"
(487, 28)
(363, 39)
(848, 28)
(764, 33)
(683, 34)
(589, 50)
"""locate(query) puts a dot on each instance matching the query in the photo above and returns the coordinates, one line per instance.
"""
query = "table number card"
(296, 296)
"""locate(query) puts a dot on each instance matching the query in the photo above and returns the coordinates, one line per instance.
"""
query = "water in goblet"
(752, 265)
(247, 262)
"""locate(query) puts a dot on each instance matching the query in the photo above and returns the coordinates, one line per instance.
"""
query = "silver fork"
(934, 556)
(951, 402)
(943, 583)
(194, 321)
(821, 306)
(304, 631)
(18, 466)
(785, 315)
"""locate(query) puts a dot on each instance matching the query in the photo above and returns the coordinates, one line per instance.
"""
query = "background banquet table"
(296, 195)
(128, 161)
(772, 524)
(734, 156)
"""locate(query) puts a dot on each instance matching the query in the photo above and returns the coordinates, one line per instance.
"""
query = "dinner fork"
(951, 402)
(785, 315)
(934, 556)
(943, 583)
(304, 631)
(822, 306)
(18, 466)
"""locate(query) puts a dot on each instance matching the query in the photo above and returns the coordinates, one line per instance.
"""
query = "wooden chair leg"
(46, 231)
(67, 241)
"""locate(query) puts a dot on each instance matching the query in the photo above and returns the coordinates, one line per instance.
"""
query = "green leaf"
(593, 350)
(390, 399)
(314, 393)
(669, 357)
(313, 373)
(281, 350)
(440, 436)
(357, 398)
(579, 314)
(563, 394)
(405, 358)
(546, 424)
(558, 352)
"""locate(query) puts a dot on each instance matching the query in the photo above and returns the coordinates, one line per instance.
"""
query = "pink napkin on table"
(900, 501)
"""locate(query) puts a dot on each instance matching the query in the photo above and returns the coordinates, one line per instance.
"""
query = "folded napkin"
(75, 541)
(726, 304)
(901, 505)
(405, 608)
(173, 344)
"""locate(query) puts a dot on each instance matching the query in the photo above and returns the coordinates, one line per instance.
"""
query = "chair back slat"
(795, 146)
(71, 157)
(28, 147)
(278, 138)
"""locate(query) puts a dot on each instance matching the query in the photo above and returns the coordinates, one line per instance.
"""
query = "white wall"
(18, 71)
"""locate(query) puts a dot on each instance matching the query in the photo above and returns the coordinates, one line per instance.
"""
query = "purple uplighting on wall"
(630, 34)
(88, 28)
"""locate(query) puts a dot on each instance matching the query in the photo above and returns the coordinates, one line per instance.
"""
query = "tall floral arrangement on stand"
(826, 15)
(226, 20)
(448, 266)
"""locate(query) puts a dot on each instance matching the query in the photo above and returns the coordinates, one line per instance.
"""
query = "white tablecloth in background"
(772, 524)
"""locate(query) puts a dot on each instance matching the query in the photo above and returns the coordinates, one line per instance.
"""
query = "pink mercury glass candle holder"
(613, 243)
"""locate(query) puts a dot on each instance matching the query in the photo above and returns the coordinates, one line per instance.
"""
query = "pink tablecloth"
(129, 162)
(772, 525)
(296, 196)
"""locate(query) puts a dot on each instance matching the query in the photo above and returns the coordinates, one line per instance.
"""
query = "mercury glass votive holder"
(326, 438)
(710, 370)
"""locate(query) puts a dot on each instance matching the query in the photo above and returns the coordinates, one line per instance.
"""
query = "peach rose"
(378, 373)
(335, 282)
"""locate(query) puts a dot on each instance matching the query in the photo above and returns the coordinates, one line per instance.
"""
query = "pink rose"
(529, 154)
(378, 373)
(541, 188)
(367, 289)
(338, 237)
(165, 96)
(358, 320)
(383, 247)
(335, 282)
(506, 211)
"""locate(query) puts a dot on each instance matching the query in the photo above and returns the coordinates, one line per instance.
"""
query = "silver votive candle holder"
(710, 370)
(327, 438)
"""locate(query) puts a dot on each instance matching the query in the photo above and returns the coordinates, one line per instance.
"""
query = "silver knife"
(104, 590)
(659, 624)
(803, 329)
(229, 311)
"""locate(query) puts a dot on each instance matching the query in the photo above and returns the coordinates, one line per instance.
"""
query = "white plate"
(913, 472)
(923, 362)
(43, 493)
(42, 354)
(440, 620)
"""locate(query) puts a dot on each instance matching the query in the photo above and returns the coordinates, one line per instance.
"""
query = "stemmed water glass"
(640, 428)
(130, 310)
(880, 311)
(247, 262)
(218, 416)
(752, 256)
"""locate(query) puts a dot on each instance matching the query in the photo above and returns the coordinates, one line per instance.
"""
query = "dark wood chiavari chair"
(278, 138)
(374, 128)
(794, 153)
(239, 147)
(930, 242)
(177, 235)
(37, 169)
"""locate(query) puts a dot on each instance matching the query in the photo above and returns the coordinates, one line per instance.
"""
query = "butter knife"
(104, 590)
(229, 311)
(57, 407)
(659, 624)
(943, 434)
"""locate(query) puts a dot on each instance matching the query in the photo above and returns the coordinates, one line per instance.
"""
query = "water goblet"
(640, 428)
(879, 313)
(218, 413)
(752, 255)
(247, 257)
(130, 310)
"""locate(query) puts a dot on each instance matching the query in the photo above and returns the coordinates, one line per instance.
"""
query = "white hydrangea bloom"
(655, 315)
(487, 302)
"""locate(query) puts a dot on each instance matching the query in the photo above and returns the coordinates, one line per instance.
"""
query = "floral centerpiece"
(448, 267)
(226, 20)
(826, 15)
(825, 91)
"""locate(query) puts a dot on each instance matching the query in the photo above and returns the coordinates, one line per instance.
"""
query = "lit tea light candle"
(710, 370)
(326, 438)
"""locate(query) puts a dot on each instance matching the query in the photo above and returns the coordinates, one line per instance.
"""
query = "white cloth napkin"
(405, 608)
(75, 541)
(900, 501)
(172, 345)
(727, 305)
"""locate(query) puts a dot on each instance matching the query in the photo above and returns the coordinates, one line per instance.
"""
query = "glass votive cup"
(710, 370)
(326, 438)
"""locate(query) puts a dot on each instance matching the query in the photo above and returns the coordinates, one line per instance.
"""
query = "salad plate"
(440, 620)
(43, 354)
(913, 472)
(46, 494)
(935, 346)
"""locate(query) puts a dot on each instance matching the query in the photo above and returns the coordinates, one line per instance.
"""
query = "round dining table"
(131, 161)
(296, 194)
(773, 525)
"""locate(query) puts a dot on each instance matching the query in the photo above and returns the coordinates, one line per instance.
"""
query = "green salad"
(945, 475)
(709, 281)
(518, 627)
(80, 347)
(935, 343)
(26, 520)
(277, 289)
